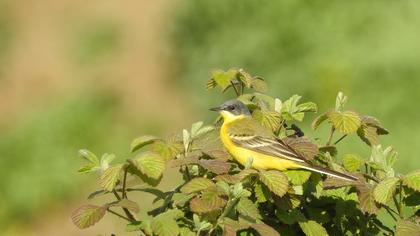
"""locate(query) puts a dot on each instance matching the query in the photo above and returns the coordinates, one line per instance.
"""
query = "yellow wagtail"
(245, 138)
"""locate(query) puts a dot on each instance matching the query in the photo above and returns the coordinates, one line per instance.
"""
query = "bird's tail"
(326, 171)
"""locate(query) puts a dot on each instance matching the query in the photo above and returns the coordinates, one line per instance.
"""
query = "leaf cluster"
(220, 197)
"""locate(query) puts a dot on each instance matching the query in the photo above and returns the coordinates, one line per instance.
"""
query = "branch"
(127, 212)
(331, 136)
(124, 193)
(342, 137)
(236, 90)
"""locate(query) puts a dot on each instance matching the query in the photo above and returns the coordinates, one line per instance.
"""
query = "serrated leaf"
(368, 134)
(312, 228)
(297, 177)
(209, 201)
(352, 162)
(142, 141)
(196, 127)
(165, 223)
(224, 78)
(259, 84)
(373, 122)
(90, 156)
(261, 193)
(340, 101)
(110, 176)
(412, 180)
(367, 200)
(247, 208)
(215, 166)
(168, 150)
(307, 107)
(385, 190)
(128, 204)
(88, 168)
(303, 146)
(268, 119)
(346, 122)
(264, 230)
(197, 184)
(319, 120)
(163, 226)
(186, 232)
(233, 179)
(407, 228)
(88, 215)
(276, 181)
(150, 164)
(186, 138)
(291, 216)
(106, 159)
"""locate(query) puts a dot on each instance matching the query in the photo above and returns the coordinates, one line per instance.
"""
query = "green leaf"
(215, 166)
(247, 208)
(276, 181)
(265, 230)
(303, 146)
(165, 226)
(224, 78)
(261, 193)
(258, 84)
(209, 201)
(195, 128)
(197, 184)
(346, 122)
(407, 228)
(150, 164)
(340, 101)
(307, 107)
(88, 168)
(319, 120)
(186, 139)
(268, 119)
(373, 122)
(106, 159)
(142, 141)
(90, 156)
(312, 228)
(385, 190)
(352, 162)
(291, 216)
(110, 176)
(368, 134)
(180, 199)
(319, 215)
(88, 215)
(367, 200)
(290, 109)
(297, 177)
(412, 180)
(128, 204)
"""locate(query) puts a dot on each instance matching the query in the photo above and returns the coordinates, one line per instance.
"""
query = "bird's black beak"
(216, 108)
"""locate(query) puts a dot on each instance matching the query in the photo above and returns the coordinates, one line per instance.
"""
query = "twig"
(390, 213)
(118, 214)
(236, 90)
(126, 211)
(331, 136)
(124, 193)
(342, 137)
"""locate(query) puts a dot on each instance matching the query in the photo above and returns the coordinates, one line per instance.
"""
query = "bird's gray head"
(234, 107)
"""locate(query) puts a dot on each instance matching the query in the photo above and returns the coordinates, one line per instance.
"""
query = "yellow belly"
(259, 160)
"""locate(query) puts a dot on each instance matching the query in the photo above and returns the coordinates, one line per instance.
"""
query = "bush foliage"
(220, 197)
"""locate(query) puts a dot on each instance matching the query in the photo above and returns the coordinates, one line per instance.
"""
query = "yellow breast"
(260, 161)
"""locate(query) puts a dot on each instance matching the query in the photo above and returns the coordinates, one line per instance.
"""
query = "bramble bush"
(220, 197)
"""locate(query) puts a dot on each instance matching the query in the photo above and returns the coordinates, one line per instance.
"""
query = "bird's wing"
(248, 133)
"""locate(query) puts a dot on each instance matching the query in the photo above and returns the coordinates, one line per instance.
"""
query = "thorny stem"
(339, 140)
(331, 136)
(234, 87)
(127, 212)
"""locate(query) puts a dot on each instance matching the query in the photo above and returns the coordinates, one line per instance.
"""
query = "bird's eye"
(231, 108)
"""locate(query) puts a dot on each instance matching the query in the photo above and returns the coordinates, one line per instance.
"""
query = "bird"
(245, 138)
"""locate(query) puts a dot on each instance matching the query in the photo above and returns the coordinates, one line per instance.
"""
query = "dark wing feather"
(248, 133)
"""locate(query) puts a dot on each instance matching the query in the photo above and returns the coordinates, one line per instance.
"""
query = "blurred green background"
(95, 74)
